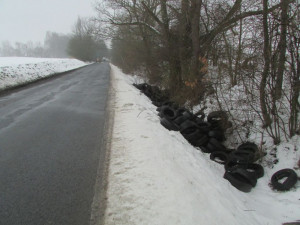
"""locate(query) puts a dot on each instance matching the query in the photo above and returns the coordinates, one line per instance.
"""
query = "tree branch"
(160, 23)
(135, 24)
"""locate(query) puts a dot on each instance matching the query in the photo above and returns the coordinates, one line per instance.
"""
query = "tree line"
(82, 44)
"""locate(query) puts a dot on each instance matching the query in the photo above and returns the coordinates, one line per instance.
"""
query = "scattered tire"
(219, 157)
(288, 183)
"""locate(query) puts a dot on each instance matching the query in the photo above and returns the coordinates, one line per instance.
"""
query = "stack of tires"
(208, 135)
(240, 168)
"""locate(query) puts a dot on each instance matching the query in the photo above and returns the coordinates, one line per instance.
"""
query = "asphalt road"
(50, 148)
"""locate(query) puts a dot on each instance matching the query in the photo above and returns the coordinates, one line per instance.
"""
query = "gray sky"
(28, 20)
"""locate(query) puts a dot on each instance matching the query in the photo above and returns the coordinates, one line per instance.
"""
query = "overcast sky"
(28, 20)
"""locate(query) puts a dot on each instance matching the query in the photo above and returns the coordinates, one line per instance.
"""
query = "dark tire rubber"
(204, 149)
(217, 116)
(219, 157)
(217, 134)
(243, 174)
(248, 146)
(202, 141)
(291, 179)
(193, 137)
(186, 125)
(217, 144)
(237, 182)
(205, 127)
(211, 148)
(169, 124)
(242, 156)
(179, 120)
(257, 169)
(167, 112)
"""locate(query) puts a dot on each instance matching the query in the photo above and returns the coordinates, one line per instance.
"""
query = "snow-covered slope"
(19, 70)
(156, 177)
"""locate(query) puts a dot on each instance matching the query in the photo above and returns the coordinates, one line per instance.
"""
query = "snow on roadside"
(19, 70)
(156, 177)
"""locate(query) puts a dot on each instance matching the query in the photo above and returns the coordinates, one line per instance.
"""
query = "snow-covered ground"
(156, 177)
(19, 70)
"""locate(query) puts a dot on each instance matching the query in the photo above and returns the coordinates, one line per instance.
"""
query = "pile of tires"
(240, 168)
(208, 135)
(157, 96)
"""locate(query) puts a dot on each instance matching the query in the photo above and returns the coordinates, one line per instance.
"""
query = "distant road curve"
(50, 148)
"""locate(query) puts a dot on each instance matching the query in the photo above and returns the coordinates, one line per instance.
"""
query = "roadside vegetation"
(238, 56)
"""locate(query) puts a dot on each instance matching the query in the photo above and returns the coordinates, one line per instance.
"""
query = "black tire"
(231, 164)
(201, 114)
(242, 156)
(204, 149)
(291, 179)
(217, 144)
(219, 155)
(187, 124)
(194, 136)
(188, 115)
(217, 116)
(204, 127)
(179, 120)
(257, 169)
(239, 184)
(167, 112)
(249, 176)
(198, 120)
(248, 146)
(201, 142)
(169, 124)
(217, 134)
(157, 104)
(180, 111)
(211, 148)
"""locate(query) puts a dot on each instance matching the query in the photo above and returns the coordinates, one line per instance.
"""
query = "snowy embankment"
(156, 177)
(15, 71)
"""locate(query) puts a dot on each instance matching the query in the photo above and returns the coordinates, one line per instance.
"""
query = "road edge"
(99, 203)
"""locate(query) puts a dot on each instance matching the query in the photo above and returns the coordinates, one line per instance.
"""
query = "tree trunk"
(294, 126)
(265, 74)
(195, 25)
(282, 49)
(184, 39)
(229, 56)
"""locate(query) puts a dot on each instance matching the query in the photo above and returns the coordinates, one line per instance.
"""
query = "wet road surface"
(50, 148)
